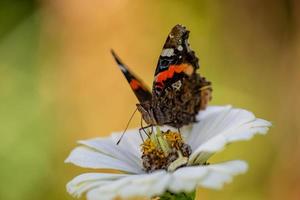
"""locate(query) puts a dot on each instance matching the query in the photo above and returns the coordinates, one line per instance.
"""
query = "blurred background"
(59, 84)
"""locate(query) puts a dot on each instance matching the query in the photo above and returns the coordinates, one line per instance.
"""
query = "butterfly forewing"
(176, 60)
(177, 87)
(139, 88)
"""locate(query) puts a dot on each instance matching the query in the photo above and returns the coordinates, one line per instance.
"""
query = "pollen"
(174, 139)
(148, 147)
(164, 150)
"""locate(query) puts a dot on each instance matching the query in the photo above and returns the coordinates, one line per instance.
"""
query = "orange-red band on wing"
(135, 84)
(162, 76)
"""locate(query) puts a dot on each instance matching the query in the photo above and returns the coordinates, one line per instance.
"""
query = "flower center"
(164, 150)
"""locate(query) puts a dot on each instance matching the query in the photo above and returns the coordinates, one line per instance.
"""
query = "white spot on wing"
(167, 52)
(177, 85)
(180, 48)
(123, 68)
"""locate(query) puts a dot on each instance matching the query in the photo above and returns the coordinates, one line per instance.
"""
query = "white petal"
(146, 185)
(88, 181)
(128, 149)
(131, 141)
(223, 173)
(156, 183)
(101, 186)
(87, 157)
(105, 153)
(219, 126)
(213, 176)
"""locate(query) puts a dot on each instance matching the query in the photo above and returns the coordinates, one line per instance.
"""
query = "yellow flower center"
(164, 150)
(174, 139)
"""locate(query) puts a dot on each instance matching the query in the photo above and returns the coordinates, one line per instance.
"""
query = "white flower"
(217, 126)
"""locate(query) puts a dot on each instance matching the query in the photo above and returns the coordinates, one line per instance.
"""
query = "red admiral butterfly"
(178, 91)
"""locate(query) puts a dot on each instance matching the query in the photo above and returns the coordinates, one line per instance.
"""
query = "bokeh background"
(59, 84)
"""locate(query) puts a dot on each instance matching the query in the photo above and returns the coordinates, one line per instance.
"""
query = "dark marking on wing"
(139, 88)
(179, 92)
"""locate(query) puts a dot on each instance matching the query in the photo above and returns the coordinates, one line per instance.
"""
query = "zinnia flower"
(217, 126)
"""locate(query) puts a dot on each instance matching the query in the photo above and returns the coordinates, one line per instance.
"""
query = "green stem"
(179, 196)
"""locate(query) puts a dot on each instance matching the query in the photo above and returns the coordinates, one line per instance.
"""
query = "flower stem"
(179, 196)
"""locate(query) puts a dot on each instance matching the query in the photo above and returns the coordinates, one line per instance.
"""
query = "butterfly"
(178, 91)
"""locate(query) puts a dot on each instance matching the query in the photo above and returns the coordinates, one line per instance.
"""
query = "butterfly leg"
(141, 135)
(143, 128)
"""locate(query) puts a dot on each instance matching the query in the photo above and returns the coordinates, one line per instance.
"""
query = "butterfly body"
(179, 92)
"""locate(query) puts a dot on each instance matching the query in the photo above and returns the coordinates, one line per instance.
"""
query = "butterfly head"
(147, 113)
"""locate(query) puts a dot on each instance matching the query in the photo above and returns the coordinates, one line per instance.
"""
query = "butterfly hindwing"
(138, 87)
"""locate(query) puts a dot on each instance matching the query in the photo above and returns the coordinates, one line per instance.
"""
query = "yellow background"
(59, 84)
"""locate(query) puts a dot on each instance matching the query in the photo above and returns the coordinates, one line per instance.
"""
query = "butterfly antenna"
(126, 127)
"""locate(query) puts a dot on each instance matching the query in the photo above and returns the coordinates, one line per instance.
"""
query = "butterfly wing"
(177, 87)
(138, 87)
(176, 60)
